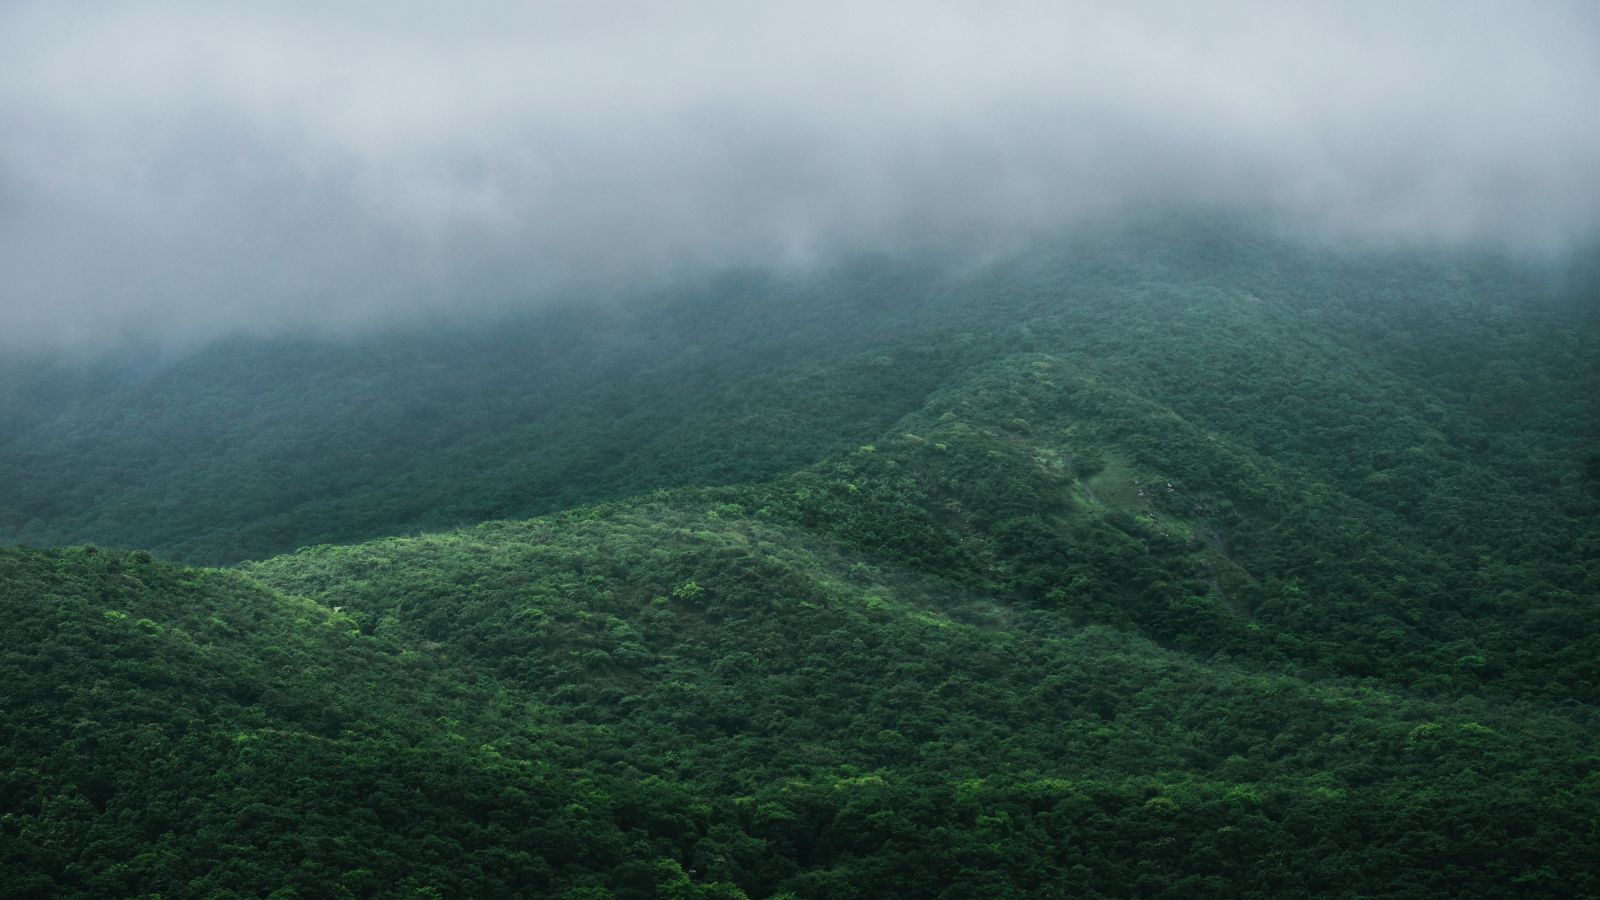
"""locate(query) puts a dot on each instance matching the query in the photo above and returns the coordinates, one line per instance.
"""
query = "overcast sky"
(191, 168)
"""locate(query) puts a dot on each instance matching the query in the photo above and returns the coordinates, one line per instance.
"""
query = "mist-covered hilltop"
(1177, 559)
(1374, 371)
(177, 171)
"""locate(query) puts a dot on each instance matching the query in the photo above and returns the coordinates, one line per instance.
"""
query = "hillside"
(676, 697)
(259, 446)
(1184, 560)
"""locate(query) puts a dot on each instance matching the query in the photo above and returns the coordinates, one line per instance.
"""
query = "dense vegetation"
(1182, 560)
(255, 446)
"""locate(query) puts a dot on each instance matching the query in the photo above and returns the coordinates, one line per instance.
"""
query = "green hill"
(259, 446)
(1181, 561)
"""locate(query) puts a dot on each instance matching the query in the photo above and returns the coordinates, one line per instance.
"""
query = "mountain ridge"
(1166, 593)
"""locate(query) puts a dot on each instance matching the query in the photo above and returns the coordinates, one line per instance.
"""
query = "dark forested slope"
(682, 697)
(1184, 561)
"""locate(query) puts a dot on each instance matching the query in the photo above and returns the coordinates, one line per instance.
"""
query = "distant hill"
(259, 446)
(1174, 561)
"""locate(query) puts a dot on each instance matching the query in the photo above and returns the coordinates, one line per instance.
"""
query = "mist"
(171, 172)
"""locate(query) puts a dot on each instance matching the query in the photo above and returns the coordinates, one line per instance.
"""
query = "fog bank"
(188, 169)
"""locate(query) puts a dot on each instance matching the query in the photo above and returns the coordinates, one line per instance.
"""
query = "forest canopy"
(1184, 559)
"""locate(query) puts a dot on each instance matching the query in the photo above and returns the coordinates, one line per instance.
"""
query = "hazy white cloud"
(198, 167)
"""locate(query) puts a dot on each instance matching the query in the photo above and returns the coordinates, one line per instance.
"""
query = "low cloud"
(186, 169)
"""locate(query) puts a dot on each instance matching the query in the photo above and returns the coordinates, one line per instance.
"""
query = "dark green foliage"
(255, 447)
(1183, 562)
(251, 447)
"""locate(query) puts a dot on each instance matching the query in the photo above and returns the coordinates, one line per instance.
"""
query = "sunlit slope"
(873, 731)
(1034, 481)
